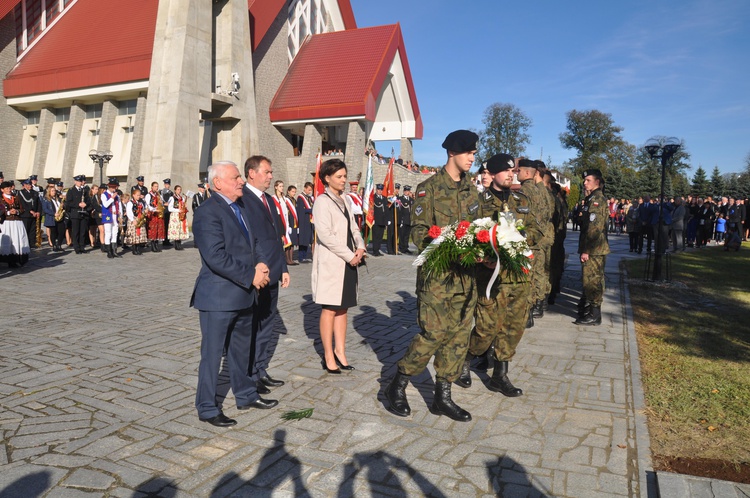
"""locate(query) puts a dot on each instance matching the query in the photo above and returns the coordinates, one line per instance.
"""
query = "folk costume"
(155, 220)
(136, 235)
(178, 229)
(111, 214)
(14, 243)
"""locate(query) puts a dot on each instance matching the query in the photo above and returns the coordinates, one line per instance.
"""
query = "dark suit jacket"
(267, 228)
(225, 280)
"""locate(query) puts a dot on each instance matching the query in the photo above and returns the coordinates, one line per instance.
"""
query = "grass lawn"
(694, 344)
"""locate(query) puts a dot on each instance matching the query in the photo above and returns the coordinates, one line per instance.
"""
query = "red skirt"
(155, 228)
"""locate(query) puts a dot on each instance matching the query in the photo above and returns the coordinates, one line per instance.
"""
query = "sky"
(671, 68)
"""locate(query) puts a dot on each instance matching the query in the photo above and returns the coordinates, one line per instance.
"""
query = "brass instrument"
(39, 229)
(159, 208)
(183, 208)
(140, 218)
(60, 214)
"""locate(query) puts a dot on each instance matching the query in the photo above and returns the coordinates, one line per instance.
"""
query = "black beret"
(526, 163)
(1, 175)
(461, 141)
(500, 162)
(26, 182)
(60, 184)
(592, 172)
(379, 186)
(540, 165)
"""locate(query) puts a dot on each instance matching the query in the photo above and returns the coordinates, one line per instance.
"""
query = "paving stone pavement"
(98, 369)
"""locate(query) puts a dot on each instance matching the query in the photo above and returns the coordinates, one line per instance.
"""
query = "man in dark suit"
(267, 227)
(225, 293)
(30, 209)
(77, 204)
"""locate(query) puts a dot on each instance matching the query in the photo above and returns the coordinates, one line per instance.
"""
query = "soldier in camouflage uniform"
(501, 318)
(560, 222)
(445, 302)
(542, 288)
(526, 172)
(593, 247)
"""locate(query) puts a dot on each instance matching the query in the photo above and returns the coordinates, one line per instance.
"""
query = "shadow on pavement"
(29, 486)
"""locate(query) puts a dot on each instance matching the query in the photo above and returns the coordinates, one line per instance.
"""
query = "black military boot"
(545, 302)
(464, 380)
(395, 393)
(113, 248)
(157, 246)
(484, 361)
(500, 382)
(583, 308)
(593, 317)
(530, 320)
(108, 249)
(442, 404)
(536, 309)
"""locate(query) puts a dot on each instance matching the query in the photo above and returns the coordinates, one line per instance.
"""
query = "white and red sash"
(292, 209)
(284, 239)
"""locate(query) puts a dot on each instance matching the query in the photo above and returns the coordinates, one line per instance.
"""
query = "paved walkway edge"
(646, 476)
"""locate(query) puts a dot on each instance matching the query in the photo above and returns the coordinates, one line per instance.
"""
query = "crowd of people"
(96, 216)
(690, 221)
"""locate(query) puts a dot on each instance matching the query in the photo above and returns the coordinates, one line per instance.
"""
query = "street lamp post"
(100, 156)
(663, 149)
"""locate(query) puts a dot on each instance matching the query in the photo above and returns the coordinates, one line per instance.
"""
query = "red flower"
(464, 224)
(460, 232)
(434, 232)
(483, 236)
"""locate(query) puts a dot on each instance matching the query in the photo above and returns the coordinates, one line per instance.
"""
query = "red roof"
(6, 6)
(341, 74)
(95, 43)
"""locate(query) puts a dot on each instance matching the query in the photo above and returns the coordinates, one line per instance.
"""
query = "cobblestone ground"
(98, 369)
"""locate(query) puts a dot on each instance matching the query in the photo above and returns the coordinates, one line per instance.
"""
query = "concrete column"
(73, 140)
(313, 141)
(134, 167)
(11, 120)
(179, 89)
(355, 150)
(407, 150)
(46, 120)
(107, 124)
(233, 55)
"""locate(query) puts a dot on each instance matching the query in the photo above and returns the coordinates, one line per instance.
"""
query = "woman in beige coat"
(338, 252)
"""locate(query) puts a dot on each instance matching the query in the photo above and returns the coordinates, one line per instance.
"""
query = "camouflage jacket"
(595, 215)
(548, 201)
(538, 211)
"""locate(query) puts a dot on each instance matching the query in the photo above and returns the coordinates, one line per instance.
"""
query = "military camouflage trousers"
(592, 274)
(539, 274)
(445, 319)
(501, 319)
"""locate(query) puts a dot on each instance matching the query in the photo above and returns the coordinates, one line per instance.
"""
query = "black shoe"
(407, 251)
(219, 420)
(500, 382)
(442, 404)
(530, 320)
(269, 382)
(537, 311)
(262, 389)
(114, 250)
(263, 404)
(167, 243)
(545, 304)
(464, 380)
(395, 393)
(593, 317)
(109, 252)
(330, 370)
(376, 254)
(583, 307)
(341, 365)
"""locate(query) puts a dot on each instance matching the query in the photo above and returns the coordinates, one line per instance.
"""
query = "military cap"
(201, 185)
(379, 186)
(26, 182)
(482, 168)
(592, 172)
(80, 178)
(500, 162)
(168, 181)
(526, 163)
(1, 175)
(50, 181)
(398, 185)
(461, 141)
(113, 182)
(33, 177)
(407, 188)
(139, 178)
(60, 184)
(540, 165)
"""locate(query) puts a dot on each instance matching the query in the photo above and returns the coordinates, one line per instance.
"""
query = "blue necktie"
(237, 213)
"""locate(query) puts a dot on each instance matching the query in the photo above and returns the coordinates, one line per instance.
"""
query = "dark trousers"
(704, 233)
(57, 233)
(263, 331)
(166, 224)
(30, 225)
(391, 239)
(648, 232)
(377, 237)
(634, 236)
(216, 328)
(403, 237)
(79, 231)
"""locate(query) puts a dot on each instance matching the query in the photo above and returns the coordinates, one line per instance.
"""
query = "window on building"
(126, 107)
(33, 17)
(52, 9)
(33, 117)
(93, 111)
(62, 114)
(304, 17)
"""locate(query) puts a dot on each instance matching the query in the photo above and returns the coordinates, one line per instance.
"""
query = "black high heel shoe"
(338, 362)
(337, 371)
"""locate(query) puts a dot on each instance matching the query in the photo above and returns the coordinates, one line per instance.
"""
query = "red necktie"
(265, 203)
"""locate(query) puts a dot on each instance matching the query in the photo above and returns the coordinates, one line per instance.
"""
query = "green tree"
(649, 174)
(718, 187)
(681, 185)
(574, 196)
(701, 186)
(505, 131)
(594, 135)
